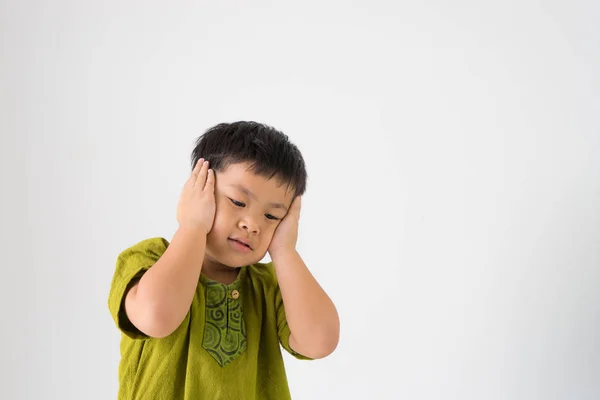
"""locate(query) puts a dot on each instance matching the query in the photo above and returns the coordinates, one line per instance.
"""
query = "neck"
(219, 272)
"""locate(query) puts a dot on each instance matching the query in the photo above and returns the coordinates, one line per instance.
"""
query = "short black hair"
(269, 151)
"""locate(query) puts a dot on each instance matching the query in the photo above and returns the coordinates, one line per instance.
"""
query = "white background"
(453, 204)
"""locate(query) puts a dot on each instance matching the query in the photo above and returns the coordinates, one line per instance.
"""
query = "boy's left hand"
(286, 234)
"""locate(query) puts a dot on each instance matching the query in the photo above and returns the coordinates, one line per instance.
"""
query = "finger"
(196, 169)
(299, 206)
(210, 181)
(194, 175)
(295, 207)
(198, 166)
(201, 176)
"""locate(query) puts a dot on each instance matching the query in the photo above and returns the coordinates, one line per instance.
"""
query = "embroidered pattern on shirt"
(224, 329)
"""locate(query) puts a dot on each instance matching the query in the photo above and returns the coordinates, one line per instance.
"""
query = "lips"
(242, 241)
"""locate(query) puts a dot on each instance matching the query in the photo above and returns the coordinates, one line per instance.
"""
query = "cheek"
(221, 226)
(217, 236)
(223, 215)
(220, 220)
(268, 233)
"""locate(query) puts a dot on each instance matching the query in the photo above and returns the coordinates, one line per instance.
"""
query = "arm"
(311, 315)
(160, 300)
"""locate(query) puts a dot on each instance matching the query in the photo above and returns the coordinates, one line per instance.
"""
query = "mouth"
(240, 242)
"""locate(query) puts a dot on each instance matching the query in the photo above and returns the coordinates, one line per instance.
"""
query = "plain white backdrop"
(453, 203)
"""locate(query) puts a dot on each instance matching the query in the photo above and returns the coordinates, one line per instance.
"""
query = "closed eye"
(238, 203)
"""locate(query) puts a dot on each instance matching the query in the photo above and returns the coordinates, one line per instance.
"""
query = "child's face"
(249, 208)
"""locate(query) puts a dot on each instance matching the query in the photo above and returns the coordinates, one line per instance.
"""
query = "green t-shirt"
(227, 347)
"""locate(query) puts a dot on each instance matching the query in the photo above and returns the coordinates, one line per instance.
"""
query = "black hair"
(269, 152)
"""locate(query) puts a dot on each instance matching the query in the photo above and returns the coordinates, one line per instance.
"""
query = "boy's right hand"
(196, 208)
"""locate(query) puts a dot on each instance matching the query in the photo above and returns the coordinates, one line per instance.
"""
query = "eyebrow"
(247, 191)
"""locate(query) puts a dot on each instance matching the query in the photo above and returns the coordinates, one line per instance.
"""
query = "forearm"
(311, 315)
(159, 302)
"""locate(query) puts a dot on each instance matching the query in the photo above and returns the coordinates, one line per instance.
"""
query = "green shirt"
(227, 347)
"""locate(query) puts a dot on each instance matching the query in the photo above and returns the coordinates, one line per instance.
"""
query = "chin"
(233, 260)
(247, 260)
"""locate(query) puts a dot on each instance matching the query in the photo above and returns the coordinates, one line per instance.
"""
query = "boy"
(200, 317)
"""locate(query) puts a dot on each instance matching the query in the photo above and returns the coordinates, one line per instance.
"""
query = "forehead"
(238, 176)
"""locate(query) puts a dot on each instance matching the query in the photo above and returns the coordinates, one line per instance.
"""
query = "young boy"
(200, 317)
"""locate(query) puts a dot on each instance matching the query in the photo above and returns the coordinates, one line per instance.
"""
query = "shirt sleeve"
(283, 329)
(132, 263)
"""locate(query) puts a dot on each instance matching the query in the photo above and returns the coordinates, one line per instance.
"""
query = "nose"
(249, 225)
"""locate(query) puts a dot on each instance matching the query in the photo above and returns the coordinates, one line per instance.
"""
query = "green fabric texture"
(224, 329)
(225, 348)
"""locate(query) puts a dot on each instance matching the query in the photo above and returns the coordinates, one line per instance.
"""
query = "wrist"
(282, 254)
(192, 230)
